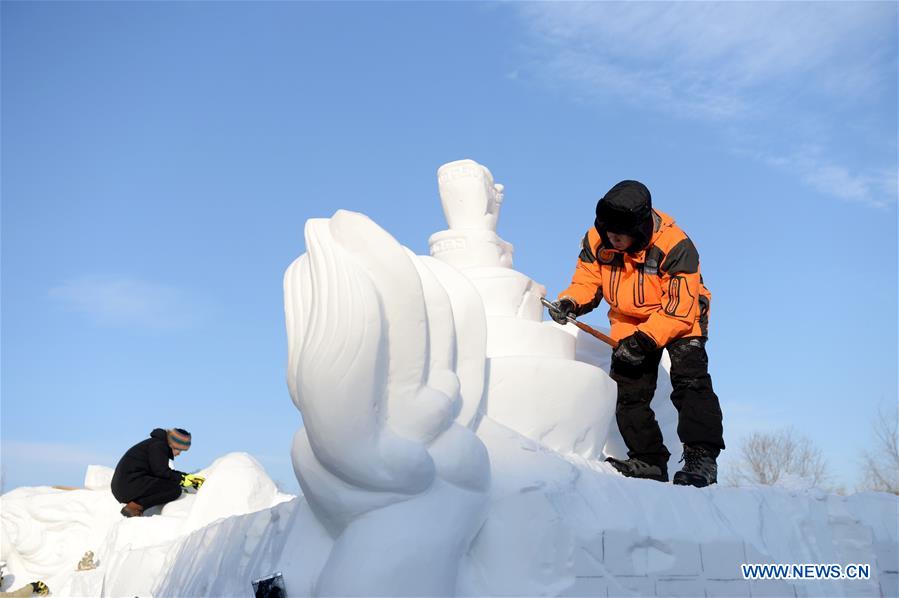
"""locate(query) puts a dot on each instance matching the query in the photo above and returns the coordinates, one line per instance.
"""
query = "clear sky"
(159, 161)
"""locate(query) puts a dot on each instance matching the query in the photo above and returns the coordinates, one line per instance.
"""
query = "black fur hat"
(626, 209)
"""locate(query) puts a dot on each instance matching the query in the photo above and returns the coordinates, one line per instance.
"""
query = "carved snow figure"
(537, 386)
(403, 366)
(373, 367)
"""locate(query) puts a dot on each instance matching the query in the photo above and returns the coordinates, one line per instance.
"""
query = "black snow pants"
(699, 414)
(148, 491)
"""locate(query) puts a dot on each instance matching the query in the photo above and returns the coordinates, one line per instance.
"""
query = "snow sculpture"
(395, 359)
(373, 366)
(391, 363)
(536, 386)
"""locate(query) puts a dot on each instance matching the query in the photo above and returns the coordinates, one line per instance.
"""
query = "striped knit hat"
(179, 439)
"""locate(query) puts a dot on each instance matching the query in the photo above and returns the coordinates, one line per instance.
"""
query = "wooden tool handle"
(588, 329)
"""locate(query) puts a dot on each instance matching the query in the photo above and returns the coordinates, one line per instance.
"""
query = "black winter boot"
(635, 468)
(700, 469)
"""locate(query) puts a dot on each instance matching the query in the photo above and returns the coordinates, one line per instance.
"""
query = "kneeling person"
(143, 478)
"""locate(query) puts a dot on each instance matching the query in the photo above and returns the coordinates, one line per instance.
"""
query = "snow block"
(617, 556)
(887, 555)
(889, 584)
(587, 587)
(629, 553)
(755, 554)
(507, 336)
(686, 560)
(802, 590)
(632, 586)
(771, 588)
(861, 588)
(734, 588)
(542, 555)
(679, 588)
(853, 542)
(588, 558)
(721, 560)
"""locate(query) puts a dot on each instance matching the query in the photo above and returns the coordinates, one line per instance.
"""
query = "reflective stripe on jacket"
(658, 290)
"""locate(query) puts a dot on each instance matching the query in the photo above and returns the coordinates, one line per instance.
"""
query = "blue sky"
(159, 161)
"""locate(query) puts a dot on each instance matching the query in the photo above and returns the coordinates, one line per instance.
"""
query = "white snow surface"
(46, 531)
(453, 444)
(558, 525)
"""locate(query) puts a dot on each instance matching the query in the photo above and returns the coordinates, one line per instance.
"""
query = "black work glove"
(633, 349)
(563, 308)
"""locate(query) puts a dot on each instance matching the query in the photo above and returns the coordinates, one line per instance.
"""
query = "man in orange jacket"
(647, 270)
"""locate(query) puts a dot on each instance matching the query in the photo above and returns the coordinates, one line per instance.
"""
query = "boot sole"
(687, 479)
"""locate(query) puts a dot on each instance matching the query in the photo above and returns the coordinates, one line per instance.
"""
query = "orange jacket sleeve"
(681, 287)
(586, 283)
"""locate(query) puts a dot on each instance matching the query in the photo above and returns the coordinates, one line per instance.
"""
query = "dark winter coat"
(143, 466)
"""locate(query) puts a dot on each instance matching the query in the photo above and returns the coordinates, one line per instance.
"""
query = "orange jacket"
(658, 290)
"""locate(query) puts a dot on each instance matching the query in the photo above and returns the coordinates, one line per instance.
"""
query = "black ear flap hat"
(627, 210)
